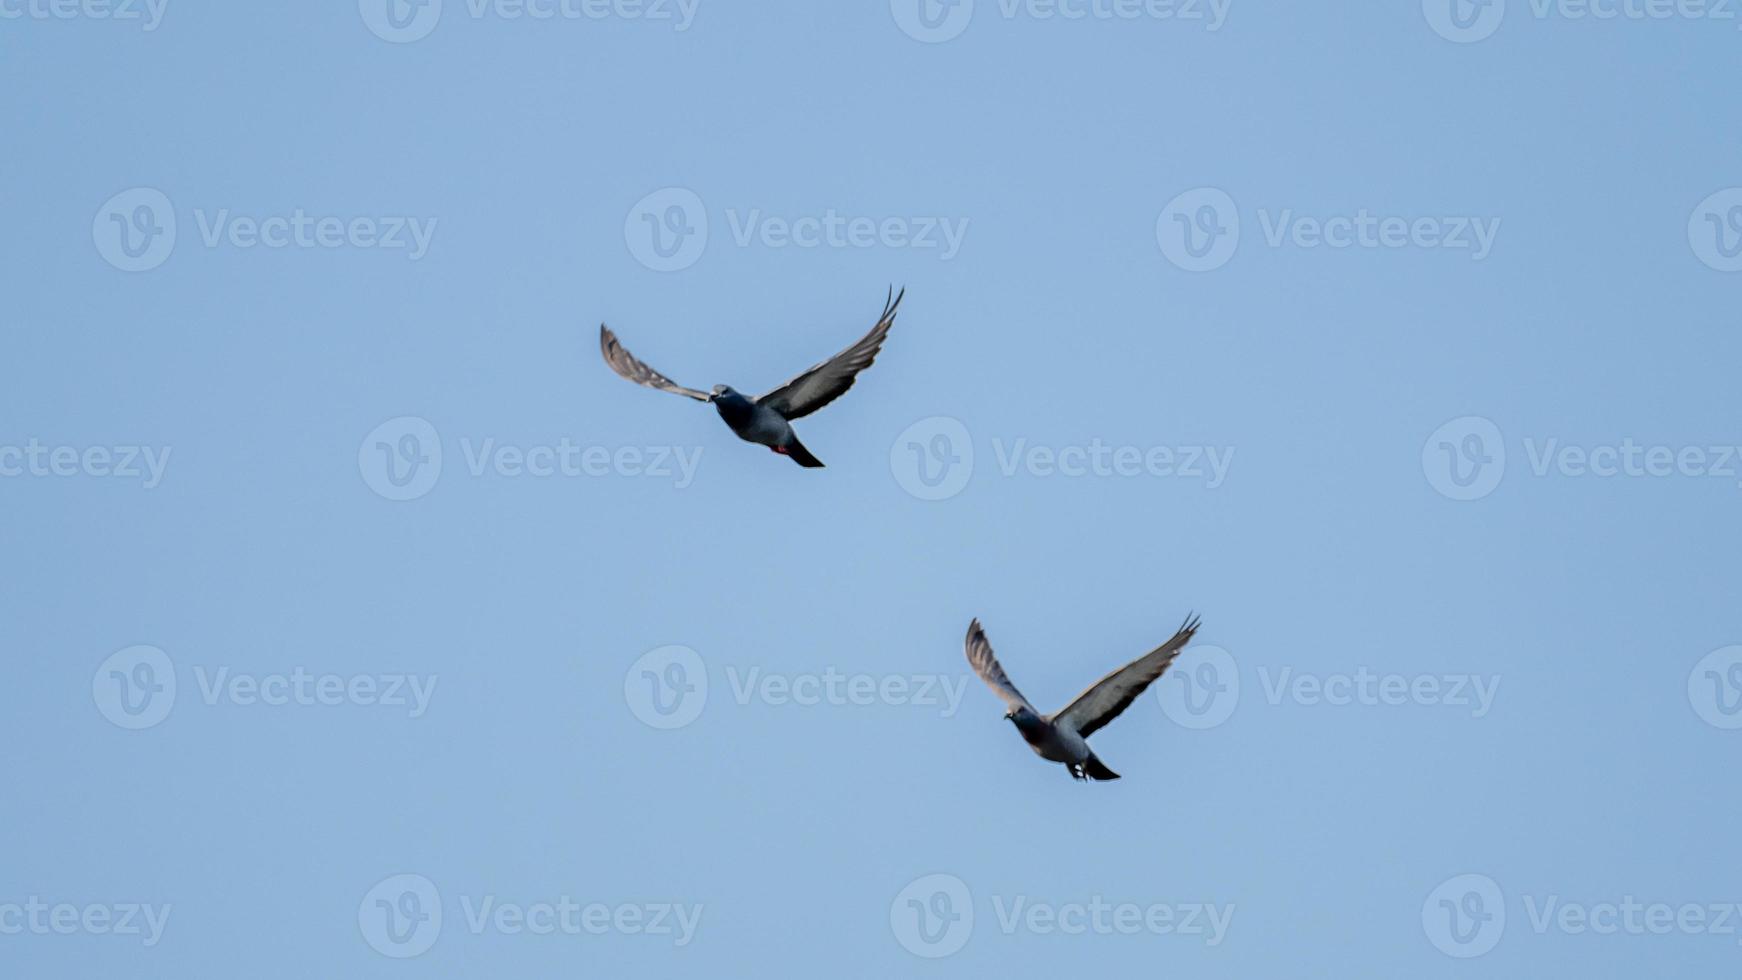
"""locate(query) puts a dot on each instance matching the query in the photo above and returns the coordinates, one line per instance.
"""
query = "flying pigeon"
(767, 420)
(1061, 736)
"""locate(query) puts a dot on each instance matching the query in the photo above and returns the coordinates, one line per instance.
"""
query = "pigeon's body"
(1063, 736)
(1049, 741)
(754, 422)
(766, 420)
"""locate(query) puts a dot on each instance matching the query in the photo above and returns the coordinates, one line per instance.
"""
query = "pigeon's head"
(721, 391)
(1024, 719)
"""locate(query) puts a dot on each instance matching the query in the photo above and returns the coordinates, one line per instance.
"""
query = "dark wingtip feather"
(1190, 626)
(890, 302)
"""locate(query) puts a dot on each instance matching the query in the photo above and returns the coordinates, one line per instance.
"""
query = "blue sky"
(362, 623)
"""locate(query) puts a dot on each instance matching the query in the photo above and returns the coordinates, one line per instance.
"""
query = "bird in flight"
(1062, 736)
(767, 420)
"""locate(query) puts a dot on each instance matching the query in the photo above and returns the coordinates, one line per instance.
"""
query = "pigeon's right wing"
(631, 367)
(827, 381)
(1104, 699)
(985, 663)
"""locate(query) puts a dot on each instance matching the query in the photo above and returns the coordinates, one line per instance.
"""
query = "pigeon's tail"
(800, 455)
(1096, 769)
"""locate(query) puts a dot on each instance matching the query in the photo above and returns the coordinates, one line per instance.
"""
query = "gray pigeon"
(768, 420)
(1062, 736)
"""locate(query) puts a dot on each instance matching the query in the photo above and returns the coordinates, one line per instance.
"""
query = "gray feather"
(830, 380)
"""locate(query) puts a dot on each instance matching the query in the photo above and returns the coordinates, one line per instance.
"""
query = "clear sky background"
(1335, 547)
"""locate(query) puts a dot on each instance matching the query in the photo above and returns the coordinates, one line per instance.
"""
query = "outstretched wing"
(985, 663)
(831, 379)
(631, 367)
(1104, 699)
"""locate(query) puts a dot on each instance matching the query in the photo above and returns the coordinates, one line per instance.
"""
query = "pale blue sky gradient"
(1059, 322)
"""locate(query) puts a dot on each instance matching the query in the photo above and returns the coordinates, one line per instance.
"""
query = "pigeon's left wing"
(985, 663)
(629, 366)
(831, 379)
(1104, 699)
